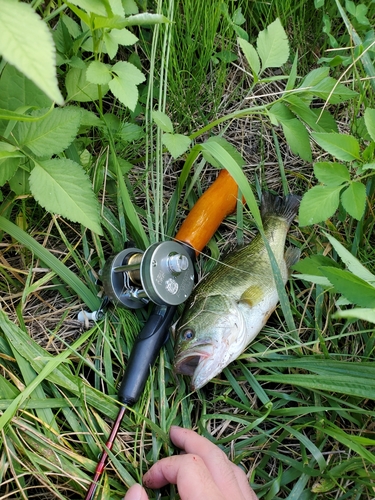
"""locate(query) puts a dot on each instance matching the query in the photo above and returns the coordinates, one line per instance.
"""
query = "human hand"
(202, 471)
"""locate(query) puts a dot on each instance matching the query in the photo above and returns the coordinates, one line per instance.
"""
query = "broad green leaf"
(94, 6)
(251, 56)
(111, 45)
(353, 199)
(16, 91)
(332, 91)
(130, 132)
(330, 173)
(318, 204)
(279, 112)
(342, 146)
(302, 109)
(365, 314)
(81, 90)
(177, 144)
(163, 121)
(124, 85)
(351, 262)
(98, 73)
(314, 77)
(297, 138)
(312, 265)
(26, 42)
(356, 290)
(273, 46)
(125, 92)
(129, 72)
(370, 122)
(116, 7)
(8, 168)
(51, 135)
(145, 19)
(19, 182)
(61, 186)
(124, 37)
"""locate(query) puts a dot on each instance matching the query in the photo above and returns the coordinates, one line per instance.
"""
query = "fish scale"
(230, 306)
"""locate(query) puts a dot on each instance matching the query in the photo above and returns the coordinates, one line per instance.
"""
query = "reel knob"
(163, 274)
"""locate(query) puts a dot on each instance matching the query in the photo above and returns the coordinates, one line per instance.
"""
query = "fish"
(229, 306)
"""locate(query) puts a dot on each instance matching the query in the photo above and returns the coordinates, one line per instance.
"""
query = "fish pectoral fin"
(292, 256)
(252, 295)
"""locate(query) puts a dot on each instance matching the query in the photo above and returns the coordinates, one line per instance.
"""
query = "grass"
(296, 410)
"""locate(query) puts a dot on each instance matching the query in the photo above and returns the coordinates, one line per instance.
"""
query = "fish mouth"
(186, 363)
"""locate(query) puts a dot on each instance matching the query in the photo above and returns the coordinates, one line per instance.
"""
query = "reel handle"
(212, 207)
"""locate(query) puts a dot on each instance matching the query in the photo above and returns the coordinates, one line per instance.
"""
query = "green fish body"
(230, 306)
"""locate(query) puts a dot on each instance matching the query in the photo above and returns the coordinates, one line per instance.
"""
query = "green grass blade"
(92, 302)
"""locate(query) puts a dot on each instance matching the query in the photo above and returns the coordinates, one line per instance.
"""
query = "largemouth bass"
(230, 306)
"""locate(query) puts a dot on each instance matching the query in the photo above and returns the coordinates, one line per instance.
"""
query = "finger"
(243, 483)
(189, 472)
(136, 492)
(226, 475)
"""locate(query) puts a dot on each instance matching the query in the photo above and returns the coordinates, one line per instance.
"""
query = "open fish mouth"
(187, 363)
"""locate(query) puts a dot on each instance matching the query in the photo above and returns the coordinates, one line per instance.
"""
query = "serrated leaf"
(81, 90)
(95, 6)
(98, 73)
(16, 91)
(318, 204)
(297, 137)
(330, 173)
(163, 121)
(26, 42)
(8, 168)
(130, 132)
(61, 186)
(301, 109)
(52, 134)
(273, 46)
(111, 45)
(332, 92)
(177, 144)
(125, 92)
(117, 8)
(251, 56)
(124, 37)
(353, 199)
(369, 117)
(342, 146)
(312, 265)
(124, 85)
(128, 72)
(356, 290)
(314, 77)
(145, 19)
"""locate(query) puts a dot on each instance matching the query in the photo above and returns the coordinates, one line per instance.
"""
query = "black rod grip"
(144, 353)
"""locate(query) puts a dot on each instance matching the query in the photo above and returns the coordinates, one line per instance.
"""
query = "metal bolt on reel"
(163, 274)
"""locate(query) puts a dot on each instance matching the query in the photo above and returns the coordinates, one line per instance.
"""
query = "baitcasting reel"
(163, 274)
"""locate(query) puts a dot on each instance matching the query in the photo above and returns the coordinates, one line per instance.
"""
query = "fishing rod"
(164, 275)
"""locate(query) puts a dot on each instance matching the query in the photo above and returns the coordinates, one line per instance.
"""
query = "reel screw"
(178, 263)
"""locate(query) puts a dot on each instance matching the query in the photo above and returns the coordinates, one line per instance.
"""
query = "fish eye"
(188, 334)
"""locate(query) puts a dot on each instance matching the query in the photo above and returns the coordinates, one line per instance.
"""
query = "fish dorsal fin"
(252, 295)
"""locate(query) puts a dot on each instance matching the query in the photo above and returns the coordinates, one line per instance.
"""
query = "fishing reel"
(162, 274)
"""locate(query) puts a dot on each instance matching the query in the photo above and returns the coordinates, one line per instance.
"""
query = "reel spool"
(163, 274)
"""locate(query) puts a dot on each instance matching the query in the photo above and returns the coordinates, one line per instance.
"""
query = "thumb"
(136, 492)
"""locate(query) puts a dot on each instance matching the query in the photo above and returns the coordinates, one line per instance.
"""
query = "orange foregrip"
(213, 206)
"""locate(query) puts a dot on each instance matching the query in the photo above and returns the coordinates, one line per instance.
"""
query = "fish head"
(206, 338)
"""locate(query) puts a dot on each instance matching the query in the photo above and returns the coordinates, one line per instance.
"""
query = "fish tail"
(279, 206)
